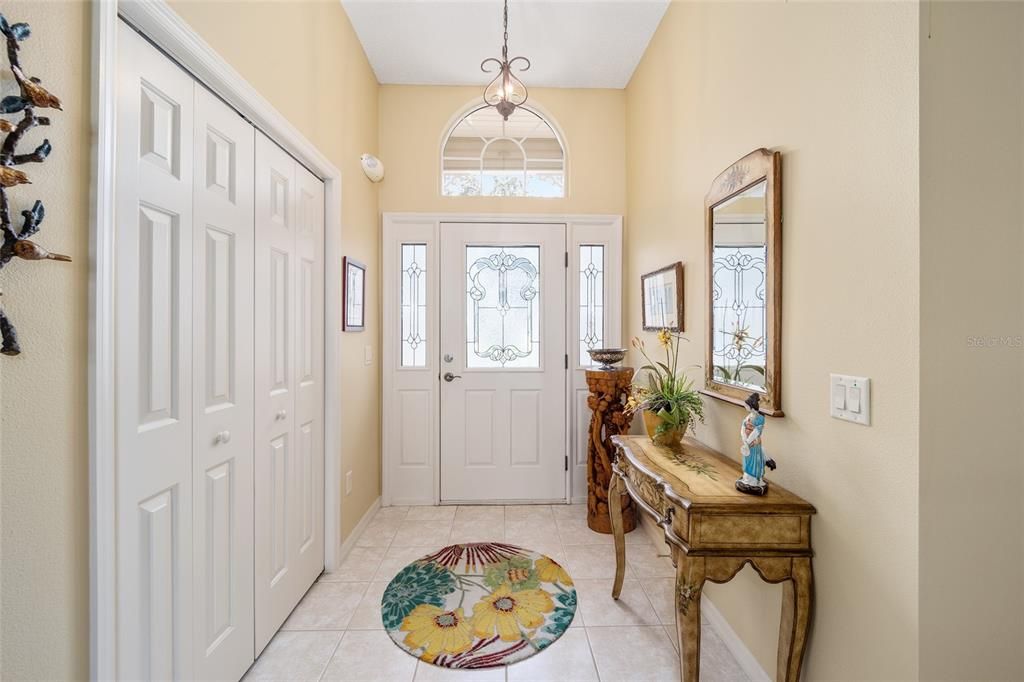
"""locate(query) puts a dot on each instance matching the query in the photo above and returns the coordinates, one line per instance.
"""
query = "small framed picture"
(661, 300)
(353, 317)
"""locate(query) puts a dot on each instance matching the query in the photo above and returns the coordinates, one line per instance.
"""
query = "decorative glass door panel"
(414, 305)
(502, 362)
(503, 302)
(591, 300)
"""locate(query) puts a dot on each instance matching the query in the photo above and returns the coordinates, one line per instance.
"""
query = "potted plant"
(669, 400)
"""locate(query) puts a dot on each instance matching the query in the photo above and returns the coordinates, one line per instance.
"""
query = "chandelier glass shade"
(505, 92)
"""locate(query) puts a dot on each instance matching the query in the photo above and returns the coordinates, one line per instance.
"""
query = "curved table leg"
(797, 599)
(615, 492)
(690, 575)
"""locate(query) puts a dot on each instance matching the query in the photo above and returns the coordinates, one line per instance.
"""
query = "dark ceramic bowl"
(607, 357)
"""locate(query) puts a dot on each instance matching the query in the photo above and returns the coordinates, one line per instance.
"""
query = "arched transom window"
(485, 155)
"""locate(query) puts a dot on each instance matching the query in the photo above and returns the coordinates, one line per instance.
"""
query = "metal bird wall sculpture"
(31, 96)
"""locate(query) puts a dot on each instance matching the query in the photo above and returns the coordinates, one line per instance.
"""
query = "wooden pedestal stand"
(607, 393)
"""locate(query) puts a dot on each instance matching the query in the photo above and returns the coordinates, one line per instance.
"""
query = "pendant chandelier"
(505, 92)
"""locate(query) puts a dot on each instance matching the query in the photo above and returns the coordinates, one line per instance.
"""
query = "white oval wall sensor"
(373, 167)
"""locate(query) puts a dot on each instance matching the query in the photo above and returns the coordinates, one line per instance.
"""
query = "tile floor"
(335, 633)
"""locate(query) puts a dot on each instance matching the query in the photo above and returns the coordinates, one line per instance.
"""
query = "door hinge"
(567, 462)
(566, 260)
(567, 361)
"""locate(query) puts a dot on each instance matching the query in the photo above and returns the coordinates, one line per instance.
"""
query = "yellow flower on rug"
(505, 612)
(549, 571)
(437, 631)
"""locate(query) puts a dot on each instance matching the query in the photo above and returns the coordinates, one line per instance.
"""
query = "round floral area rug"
(478, 605)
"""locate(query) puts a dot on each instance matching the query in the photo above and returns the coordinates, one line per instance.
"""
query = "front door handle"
(448, 376)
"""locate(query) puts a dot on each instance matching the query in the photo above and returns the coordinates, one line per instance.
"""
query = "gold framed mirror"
(743, 263)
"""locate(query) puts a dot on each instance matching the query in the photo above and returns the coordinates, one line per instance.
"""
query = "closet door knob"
(281, 415)
(222, 437)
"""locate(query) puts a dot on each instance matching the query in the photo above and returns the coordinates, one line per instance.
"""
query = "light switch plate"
(850, 398)
(367, 355)
(348, 483)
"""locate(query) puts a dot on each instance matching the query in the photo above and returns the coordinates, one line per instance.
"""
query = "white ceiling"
(571, 43)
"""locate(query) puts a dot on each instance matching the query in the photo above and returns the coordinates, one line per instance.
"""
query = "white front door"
(503, 362)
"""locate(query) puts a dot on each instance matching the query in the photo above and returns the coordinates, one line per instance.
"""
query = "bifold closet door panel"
(309, 386)
(289, 464)
(154, 242)
(274, 338)
(222, 323)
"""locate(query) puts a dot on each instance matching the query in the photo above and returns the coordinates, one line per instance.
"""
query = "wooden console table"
(713, 531)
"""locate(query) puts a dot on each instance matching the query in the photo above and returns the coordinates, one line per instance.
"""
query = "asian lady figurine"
(752, 482)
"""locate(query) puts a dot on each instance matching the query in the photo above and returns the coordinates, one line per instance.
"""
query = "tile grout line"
(331, 657)
(651, 600)
(590, 648)
(586, 632)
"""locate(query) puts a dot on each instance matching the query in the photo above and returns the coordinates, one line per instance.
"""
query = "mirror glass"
(739, 347)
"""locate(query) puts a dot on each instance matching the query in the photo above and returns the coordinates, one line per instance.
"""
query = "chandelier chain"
(504, 48)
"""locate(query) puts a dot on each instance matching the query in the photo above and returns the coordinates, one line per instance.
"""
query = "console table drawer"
(750, 531)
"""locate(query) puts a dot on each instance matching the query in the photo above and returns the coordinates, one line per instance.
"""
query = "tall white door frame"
(162, 26)
(410, 395)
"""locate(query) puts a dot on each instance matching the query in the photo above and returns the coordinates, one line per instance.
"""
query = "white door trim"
(425, 227)
(161, 25)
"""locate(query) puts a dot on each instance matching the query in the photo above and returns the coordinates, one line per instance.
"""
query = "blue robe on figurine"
(753, 463)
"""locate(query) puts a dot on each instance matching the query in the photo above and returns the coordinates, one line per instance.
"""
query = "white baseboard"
(357, 532)
(733, 642)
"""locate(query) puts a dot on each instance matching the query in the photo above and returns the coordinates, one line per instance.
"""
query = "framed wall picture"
(661, 294)
(353, 317)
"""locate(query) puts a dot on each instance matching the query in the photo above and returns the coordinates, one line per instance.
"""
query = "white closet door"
(309, 371)
(289, 388)
(223, 390)
(154, 375)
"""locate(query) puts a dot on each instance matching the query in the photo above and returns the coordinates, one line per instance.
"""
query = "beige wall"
(972, 383)
(324, 85)
(44, 475)
(414, 120)
(834, 87)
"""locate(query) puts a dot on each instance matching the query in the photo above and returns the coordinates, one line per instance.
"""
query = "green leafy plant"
(669, 393)
(725, 374)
